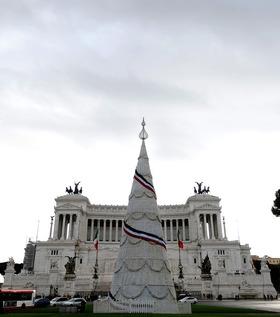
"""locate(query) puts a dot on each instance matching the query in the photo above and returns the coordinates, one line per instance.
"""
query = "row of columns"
(171, 227)
(209, 226)
(111, 229)
(65, 227)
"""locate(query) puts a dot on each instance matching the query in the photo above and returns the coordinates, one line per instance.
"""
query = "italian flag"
(96, 241)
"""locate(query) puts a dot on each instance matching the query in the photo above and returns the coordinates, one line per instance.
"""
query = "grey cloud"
(86, 66)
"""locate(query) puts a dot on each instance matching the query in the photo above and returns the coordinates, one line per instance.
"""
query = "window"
(244, 260)
(54, 252)
(221, 252)
(81, 261)
(194, 260)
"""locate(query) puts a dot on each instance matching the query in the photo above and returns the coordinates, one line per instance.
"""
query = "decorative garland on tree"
(142, 180)
(152, 238)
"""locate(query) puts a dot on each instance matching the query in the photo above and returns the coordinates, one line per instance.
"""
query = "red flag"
(180, 242)
(96, 243)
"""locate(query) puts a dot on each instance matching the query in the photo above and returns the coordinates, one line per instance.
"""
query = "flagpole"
(96, 260)
(95, 275)
(180, 266)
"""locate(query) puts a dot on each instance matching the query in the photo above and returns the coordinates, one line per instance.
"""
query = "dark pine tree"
(275, 276)
(276, 204)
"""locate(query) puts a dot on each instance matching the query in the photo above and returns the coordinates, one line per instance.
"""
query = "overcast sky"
(76, 78)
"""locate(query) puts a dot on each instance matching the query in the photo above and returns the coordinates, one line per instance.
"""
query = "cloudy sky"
(78, 76)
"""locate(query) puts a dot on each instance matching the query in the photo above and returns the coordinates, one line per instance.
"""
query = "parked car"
(41, 302)
(188, 299)
(75, 302)
(57, 301)
(183, 295)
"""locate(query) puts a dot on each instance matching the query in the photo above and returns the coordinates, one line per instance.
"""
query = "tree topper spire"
(143, 134)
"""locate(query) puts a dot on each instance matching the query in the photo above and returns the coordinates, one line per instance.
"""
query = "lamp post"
(180, 266)
(95, 272)
(95, 275)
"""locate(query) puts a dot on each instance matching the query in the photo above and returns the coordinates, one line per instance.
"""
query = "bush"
(220, 297)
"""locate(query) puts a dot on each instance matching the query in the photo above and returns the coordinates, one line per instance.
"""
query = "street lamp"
(180, 266)
(95, 272)
(95, 276)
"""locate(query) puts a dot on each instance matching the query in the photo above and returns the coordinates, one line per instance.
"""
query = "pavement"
(266, 305)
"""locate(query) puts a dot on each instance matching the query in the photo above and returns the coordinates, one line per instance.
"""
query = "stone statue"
(76, 190)
(199, 189)
(205, 190)
(199, 185)
(69, 190)
(206, 266)
(70, 265)
(54, 265)
(10, 266)
(11, 262)
(264, 263)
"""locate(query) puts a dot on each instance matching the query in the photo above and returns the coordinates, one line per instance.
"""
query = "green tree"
(276, 204)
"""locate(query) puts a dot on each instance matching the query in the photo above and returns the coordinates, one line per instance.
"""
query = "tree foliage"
(276, 204)
(275, 275)
(3, 266)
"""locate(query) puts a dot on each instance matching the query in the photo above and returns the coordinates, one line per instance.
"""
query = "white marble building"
(199, 221)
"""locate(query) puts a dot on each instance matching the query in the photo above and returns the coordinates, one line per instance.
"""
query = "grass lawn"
(198, 311)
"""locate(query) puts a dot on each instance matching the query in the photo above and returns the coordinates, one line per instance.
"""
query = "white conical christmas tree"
(142, 272)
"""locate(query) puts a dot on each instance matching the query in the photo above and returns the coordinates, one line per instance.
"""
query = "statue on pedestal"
(70, 267)
(206, 268)
(10, 266)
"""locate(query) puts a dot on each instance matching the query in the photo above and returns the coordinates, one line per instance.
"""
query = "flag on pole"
(95, 241)
(180, 242)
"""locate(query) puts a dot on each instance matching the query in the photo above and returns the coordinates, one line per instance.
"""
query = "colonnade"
(111, 229)
(208, 225)
(66, 226)
(171, 227)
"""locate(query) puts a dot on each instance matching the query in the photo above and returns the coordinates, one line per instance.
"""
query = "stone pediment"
(207, 206)
(72, 198)
(67, 206)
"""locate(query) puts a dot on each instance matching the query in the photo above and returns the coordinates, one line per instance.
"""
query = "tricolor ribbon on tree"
(142, 180)
(151, 238)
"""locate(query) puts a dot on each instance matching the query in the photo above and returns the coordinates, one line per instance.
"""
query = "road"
(269, 305)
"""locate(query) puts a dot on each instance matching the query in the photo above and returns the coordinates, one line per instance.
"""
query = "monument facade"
(210, 265)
